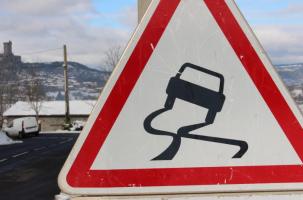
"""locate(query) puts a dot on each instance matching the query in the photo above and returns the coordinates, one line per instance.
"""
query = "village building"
(52, 113)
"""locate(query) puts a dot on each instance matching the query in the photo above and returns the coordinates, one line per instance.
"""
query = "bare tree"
(2, 96)
(9, 88)
(35, 92)
(112, 57)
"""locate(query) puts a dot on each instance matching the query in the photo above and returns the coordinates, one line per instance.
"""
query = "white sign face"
(193, 106)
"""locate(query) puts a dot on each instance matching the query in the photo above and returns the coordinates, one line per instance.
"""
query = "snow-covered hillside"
(292, 74)
(84, 83)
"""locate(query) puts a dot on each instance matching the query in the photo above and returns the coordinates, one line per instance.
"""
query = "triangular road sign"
(193, 106)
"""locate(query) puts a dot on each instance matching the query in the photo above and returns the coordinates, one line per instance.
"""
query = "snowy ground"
(62, 196)
(60, 131)
(5, 140)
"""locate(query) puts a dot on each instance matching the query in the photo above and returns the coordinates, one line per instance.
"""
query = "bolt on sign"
(194, 106)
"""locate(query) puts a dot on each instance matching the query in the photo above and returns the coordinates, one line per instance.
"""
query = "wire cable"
(40, 51)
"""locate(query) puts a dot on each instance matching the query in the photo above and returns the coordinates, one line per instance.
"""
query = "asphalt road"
(29, 170)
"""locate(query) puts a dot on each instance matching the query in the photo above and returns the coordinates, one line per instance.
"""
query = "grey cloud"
(46, 7)
(283, 43)
(35, 25)
(128, 17)
(291, 10)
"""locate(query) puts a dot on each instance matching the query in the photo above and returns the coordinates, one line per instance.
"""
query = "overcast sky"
(90, 27)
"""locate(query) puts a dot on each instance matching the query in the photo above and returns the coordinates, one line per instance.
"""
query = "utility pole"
(67, 117)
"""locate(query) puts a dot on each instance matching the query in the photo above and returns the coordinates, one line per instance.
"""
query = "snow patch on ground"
(5, 140)
(60, 131)
(62, 197)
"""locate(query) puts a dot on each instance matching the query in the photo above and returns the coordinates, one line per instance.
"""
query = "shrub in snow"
(77, 125)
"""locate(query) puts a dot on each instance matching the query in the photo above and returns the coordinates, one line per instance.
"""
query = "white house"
(52, 113)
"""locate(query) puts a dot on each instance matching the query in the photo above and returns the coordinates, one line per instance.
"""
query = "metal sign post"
(142, 7)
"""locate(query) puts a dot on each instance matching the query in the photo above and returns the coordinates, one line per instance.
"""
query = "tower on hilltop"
(8, 50)
(8, 56)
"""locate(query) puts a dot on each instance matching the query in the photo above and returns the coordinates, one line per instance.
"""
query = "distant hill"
(84, 83)
(292, 74)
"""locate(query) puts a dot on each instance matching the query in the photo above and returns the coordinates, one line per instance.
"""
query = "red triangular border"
(80, 175)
